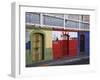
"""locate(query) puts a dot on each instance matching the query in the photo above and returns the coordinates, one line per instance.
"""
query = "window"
(71, 24)
(86, 18)
(33, 18)
(53, 20)
(84, 25)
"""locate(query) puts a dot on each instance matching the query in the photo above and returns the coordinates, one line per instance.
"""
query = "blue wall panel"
(87, 42)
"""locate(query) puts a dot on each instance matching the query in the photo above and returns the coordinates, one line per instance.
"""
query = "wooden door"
(38, 49)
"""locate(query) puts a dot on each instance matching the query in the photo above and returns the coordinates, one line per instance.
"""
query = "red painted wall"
(57, 49)
(73, 47)
(60, 48)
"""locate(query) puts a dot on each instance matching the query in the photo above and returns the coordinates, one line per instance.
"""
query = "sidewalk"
(64, 61)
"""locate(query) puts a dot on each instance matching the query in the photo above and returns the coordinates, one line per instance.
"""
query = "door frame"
(36, 31)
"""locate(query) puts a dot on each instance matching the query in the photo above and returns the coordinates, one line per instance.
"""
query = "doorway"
(38, 46)
(82, 44)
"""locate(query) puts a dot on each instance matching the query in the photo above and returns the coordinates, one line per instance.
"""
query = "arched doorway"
(82, 44)
(38, 46)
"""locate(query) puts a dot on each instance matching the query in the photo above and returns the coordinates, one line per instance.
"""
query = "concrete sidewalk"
(64, 61)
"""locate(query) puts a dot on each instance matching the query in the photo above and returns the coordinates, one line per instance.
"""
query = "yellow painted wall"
(48, 37)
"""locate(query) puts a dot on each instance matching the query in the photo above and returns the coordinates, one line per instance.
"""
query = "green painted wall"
(48, 54)
(28, 57)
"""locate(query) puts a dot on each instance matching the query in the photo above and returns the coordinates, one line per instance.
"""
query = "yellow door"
(37, 51)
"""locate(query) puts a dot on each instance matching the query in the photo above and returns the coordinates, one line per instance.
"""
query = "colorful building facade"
(39, 45)
(57, 37)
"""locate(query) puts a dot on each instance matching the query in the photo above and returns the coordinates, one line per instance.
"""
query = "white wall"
(5, 38)
(57, 34)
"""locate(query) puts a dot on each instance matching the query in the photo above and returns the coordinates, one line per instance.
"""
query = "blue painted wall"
(28, 45)
(87, 42)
